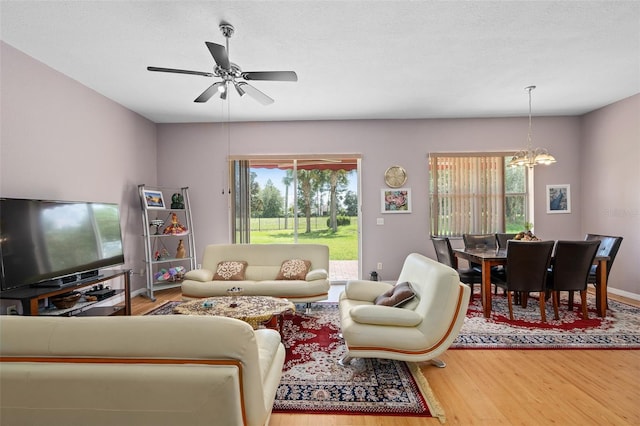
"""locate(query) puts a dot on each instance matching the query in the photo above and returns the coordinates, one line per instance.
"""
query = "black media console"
(31, 297)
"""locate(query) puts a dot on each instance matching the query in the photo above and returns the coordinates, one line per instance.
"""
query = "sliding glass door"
(298, 199)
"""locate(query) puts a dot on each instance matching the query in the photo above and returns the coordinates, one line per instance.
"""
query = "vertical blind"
(467, 194)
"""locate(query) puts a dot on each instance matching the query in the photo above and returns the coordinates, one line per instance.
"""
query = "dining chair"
(609, 246)
(472, 241)
(487, 241)
(502, 238)
(444, 254)
(570, 268)
(527, 267)
(478, 241)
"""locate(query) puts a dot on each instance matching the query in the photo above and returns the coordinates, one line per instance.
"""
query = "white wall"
(63, 141)
(610, 153)
(381, 143)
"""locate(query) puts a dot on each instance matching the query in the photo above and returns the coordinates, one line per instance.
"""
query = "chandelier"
(531, 157)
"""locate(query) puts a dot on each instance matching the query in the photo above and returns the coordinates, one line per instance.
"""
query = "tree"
(271, 200)
(351, 203)
(337, 178)
(308, 183)
(254, 192)
(287, 180)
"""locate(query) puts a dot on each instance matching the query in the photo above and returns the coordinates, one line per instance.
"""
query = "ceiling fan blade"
(207, 94)
(270, 75)
(219, 54)
(256, 94)
(173, 70)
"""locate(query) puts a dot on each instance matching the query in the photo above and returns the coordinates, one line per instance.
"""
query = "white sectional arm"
(317, 274)
(202, 275)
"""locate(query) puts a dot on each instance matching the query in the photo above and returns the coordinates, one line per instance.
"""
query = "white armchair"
(419, 330)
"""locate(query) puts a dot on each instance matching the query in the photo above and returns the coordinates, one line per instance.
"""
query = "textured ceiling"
(354, 59)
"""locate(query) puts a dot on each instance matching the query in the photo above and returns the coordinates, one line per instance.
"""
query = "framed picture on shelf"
(153, 199)
(558, 199)
(395, 200)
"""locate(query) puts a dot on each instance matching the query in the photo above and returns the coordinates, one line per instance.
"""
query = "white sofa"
(420, 330)
(143, 370)
(263, 265)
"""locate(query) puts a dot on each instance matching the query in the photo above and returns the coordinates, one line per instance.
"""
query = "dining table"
(490, 257)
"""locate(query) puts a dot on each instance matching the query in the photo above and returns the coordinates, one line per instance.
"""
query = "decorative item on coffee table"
(234, 292)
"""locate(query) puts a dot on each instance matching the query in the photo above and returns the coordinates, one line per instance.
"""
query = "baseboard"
(623, 293)
(138, 292)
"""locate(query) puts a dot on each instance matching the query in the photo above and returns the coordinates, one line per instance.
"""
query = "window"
(476, 193)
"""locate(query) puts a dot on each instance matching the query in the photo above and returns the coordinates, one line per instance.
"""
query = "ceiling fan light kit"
(231, 73)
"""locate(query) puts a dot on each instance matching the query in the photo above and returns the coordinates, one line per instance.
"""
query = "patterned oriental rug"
(619, 330)
(313, 382)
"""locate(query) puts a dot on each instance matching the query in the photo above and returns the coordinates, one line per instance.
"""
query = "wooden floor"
(506, 387)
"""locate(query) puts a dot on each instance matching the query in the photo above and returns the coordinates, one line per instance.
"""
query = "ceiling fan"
(231, 74)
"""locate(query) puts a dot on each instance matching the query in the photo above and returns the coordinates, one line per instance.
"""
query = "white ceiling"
(354, 59)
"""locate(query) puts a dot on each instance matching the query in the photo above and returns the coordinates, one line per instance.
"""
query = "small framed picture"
(395, 200)
(558, 199)
(153, 199)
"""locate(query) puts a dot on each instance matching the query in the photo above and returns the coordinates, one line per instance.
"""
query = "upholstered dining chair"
(527, 267)
(488, 241)
(476, 241)
(472, 241)
(444, 254)
(609, 246)
(569, 271)
(502, 238)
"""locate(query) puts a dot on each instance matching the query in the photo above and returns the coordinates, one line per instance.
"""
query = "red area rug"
(619, 330)
(313, 381)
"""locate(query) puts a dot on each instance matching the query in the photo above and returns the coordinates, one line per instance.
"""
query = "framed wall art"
(153, 199)
(558, 199)
(396, 200)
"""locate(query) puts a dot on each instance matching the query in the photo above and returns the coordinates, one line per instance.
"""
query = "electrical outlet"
(12, 310)
(379, 265)
(142, 271)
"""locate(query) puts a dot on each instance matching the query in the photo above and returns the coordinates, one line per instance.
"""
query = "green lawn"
(343, 245)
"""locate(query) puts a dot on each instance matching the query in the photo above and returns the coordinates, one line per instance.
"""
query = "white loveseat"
(263, 264)
(419, 330)
(146, 370)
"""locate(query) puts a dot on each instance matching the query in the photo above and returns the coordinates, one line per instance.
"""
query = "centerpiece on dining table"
(526, 235)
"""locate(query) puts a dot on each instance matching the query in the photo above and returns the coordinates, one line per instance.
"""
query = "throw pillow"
(294, 269)
(230, 270)
(396, 296)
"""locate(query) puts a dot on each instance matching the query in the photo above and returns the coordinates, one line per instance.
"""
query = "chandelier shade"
(530, 156)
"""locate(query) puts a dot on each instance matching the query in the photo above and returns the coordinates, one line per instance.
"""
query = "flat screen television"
(56, 243)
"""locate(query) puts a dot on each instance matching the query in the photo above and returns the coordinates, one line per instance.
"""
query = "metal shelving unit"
(160, 247)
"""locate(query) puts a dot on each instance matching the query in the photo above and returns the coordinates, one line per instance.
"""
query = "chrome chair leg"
(438, 363)
(345, 360)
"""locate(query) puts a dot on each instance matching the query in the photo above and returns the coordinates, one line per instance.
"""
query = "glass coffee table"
(255, 310)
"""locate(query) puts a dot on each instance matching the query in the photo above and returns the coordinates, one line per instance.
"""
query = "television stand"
(70, 280)
(30, 297)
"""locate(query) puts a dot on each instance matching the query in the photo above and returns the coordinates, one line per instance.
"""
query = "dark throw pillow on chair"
(396, 296)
